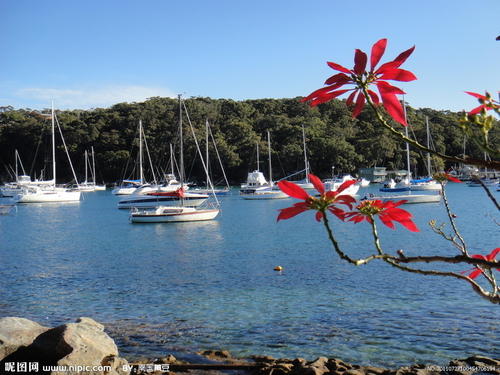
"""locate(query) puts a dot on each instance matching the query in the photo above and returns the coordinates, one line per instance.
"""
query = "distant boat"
(255, 180)
(49, 192)
(363, 182)
(270, 191)
(392, 187)
(89, 186)
(305, 183)
(164, 214)
(485, 181)
(183, 206)
(334, 183)
(410, 198)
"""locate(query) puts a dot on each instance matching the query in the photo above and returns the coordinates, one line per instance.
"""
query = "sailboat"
(270, 192)
(408, 196)
(184, 210)
(48, 192)
(128, 186)
(426, 184)
(207, 190)
(255, 180)
(88, 186)
(305, 183)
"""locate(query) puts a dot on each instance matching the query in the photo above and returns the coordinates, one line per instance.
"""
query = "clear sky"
(95, 53)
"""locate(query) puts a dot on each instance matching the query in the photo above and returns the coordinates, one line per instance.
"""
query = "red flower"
(490, 257)
(325, 201)
(487, 103)
(362, 79)
(388, 212)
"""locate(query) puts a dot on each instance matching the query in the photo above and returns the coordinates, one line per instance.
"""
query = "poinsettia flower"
(487, 103)
(363, 79)
(326, 200)
(388, 213)
(477, 271)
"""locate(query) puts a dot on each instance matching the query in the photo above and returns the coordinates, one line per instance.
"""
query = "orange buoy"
(278, 268)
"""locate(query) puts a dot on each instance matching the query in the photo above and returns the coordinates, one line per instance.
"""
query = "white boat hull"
(123, 190)
(173, 215)
(412, 198)
(264, 195)
(426, 187)
(50, 196)
(151, 201)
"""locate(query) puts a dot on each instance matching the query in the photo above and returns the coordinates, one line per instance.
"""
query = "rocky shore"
(83, 347)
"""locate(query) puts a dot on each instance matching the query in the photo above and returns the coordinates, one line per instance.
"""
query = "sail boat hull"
(162, 199)
(173, 215)
(44, 196)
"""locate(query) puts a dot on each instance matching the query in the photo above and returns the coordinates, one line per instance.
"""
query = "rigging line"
(149, 156)
(66, 149)
(218, 155)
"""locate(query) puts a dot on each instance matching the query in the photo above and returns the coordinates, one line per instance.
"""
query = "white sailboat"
(184, 210)
(433, 197)
(43, 193)
(305, 183)
(271, 191)
(207, 190)
(427, 184)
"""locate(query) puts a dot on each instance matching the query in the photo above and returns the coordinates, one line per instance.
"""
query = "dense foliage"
(333, 136)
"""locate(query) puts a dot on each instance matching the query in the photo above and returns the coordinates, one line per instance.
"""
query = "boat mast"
(428, 145)
(93, 165)
(53, 145)
(408, 172)
(86, 164)
(306, 162)
(269, 156)
(258, 168)
(206, 141)
(171, 159)
(15, 158)
(141, 173)
(181, 173)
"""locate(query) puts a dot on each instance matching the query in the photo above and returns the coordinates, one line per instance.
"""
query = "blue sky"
(89, 53)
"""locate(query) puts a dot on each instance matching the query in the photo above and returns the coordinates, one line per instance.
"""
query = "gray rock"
(17, 332)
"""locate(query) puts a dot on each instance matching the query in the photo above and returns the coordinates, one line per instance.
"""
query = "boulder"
(17, 332)
(79, 345)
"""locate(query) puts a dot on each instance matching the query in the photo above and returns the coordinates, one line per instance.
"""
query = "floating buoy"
(278, 268)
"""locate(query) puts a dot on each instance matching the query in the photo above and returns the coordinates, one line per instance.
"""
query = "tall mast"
(258, 168)
(86, 164)
(181, 141)
(269, 156)
(15, 158)
(206, 141)
(141, 172)
(53, 145)
(171, 159)
(306, 162)
(408, 172)
(93, 165)
(428, 145)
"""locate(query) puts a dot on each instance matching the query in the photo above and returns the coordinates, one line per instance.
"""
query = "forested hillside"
(333, 137)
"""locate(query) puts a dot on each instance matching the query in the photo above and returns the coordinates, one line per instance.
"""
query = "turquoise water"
(179, 288)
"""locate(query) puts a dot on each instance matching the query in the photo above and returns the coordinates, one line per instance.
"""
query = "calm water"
(178, 288)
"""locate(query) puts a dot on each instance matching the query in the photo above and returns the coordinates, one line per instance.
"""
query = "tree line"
(333, 138)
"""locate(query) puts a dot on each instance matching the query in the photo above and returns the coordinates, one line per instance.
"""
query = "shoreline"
(83, 347)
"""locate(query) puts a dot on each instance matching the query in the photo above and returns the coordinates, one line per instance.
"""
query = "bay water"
(183, 287)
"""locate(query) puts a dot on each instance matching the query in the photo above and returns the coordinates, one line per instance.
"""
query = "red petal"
(393, 106)
(350, 98)
(345, 199)
(399, 75)
(387, 221)
(339, 78)
(374, 97)
(378, 50)
(493, 254)
(337, 212)
(475, 273)
(319, 216)
(360, 59)
(289, 212)
(320, 92)
(338, 67)
(476, 110)
(293, 190)
(476, 95)
(387, 88)
(404, 55)
(451, 178)
(318, 184)
(345, 185)
(360, 102)
(327, 97)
